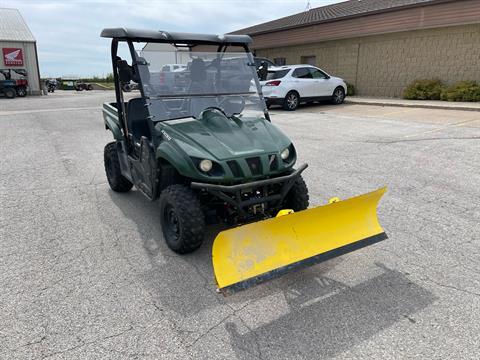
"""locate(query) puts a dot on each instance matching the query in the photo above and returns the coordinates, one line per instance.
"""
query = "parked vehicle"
(7, 88)
(208, 151)
(175, 76)
(51, 85)
(20, 86)
(171, 76)
(291, 85)
(173, 67)
(80, 86)
(129, 86)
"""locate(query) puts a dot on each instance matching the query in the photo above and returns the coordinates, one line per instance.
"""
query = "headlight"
(285, 154)
(206, 165)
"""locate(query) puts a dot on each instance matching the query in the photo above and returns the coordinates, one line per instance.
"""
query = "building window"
(280, 61)
(310, 60)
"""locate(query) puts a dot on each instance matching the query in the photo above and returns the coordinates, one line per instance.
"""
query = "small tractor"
(81, 85)
(13, 87)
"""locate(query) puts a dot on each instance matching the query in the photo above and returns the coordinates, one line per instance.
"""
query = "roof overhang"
(442, 14)
(155, 36)
(252, 32)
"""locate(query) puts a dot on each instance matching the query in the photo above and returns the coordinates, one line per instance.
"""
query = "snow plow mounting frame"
(232, 193)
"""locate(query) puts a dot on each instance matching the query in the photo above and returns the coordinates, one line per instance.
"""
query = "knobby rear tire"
(116, 180)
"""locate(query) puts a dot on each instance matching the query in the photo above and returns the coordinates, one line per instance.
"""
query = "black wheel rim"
(171, 223)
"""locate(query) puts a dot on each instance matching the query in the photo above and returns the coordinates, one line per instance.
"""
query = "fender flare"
(114, 128)
(176, 159)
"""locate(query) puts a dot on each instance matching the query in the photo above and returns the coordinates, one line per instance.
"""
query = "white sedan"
(293, 84)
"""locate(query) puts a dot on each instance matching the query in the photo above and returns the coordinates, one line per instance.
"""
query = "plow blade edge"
(253, 253)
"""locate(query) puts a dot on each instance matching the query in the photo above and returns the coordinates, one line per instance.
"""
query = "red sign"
(12, 56)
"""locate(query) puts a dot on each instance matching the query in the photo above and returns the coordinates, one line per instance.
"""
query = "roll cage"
(177, 39)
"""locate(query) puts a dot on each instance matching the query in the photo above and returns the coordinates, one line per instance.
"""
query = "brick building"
(380, 46)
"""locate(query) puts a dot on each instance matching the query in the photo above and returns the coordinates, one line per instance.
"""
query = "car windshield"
(277, 74)
(201, 80)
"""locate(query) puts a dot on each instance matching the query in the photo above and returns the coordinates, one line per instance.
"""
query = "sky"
(67, 31)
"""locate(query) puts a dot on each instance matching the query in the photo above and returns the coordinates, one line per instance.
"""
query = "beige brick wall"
(383, 65)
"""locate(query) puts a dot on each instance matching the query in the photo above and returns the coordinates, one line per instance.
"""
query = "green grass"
(108, 85)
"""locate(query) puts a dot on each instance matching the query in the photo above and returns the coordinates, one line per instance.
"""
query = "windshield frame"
(121, 111)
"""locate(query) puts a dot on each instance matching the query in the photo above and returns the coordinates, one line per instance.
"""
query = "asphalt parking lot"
(84, 272)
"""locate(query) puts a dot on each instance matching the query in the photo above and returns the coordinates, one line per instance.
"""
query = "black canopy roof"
(174, 37)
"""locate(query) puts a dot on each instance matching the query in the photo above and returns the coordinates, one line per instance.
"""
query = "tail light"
(21, 82)
(273, 83)
(162, 78)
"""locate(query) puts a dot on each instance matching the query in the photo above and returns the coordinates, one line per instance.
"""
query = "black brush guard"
(232, 194)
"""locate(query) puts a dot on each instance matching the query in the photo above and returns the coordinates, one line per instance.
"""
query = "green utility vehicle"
(201, 141)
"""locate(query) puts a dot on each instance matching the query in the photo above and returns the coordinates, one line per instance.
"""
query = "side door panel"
(302, 82)
(144, 167)
(141, 139)
(323, 85)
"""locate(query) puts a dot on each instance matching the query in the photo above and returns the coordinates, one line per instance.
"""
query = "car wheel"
(116, 180)
(291, 101)
(10, 93)
(90, 87)
(21, 91)
(338, 96)
(182, 219)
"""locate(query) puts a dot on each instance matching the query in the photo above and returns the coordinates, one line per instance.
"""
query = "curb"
(408, 105)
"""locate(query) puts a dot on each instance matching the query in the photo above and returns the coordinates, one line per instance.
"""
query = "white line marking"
(19, 112)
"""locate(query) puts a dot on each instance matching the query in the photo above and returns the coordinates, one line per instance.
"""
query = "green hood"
(217, 137)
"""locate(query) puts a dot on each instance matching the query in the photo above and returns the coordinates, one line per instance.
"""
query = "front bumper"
(231, 194)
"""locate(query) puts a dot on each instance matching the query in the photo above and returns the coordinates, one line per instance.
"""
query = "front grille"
(272, 159)
(255, 165)
(235, 168)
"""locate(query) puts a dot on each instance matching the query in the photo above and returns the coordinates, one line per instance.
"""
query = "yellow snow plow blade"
(256, 252)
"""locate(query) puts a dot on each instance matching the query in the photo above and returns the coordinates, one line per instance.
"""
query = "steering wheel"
(212, 109)
(231, 108)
